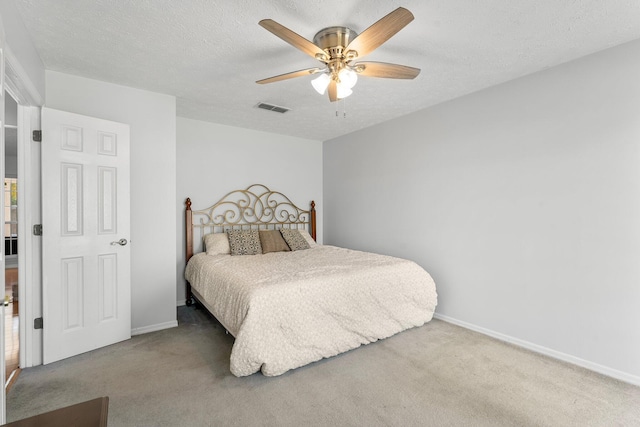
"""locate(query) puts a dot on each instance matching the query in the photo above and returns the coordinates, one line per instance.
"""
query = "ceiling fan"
(338, 48)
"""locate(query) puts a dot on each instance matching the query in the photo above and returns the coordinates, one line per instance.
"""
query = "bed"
(288, 307)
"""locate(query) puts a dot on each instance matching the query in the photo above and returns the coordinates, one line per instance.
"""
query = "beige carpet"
(436, 375)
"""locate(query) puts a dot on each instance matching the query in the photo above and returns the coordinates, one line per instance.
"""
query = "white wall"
(522, 200)
(214, 159)
(152, 119)
(21, 49)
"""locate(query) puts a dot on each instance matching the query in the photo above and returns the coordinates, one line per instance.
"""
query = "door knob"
(120, 242)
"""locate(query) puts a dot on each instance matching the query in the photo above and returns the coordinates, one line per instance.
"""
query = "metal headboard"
(256, 208)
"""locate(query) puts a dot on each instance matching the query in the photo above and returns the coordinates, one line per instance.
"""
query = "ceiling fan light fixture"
(348, 77)
(321, 83)
(343, 91)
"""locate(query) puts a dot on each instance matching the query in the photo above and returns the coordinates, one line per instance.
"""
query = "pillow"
(244, 242)
(307, 237)
(272, 241)
(294, 239)
(217, 244)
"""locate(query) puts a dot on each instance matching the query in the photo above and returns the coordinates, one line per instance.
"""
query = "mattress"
(288, 309)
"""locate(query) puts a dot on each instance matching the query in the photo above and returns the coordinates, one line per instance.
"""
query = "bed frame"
(255, 208)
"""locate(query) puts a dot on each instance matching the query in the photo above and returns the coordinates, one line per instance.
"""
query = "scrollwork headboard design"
(255, 208)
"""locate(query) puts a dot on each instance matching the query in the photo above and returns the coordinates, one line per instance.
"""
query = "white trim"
(29, 252)
(18, 82)
(181, 302)
(3, 399)
(3, 403)
(154, 328)
(21, 88)
(604, 370)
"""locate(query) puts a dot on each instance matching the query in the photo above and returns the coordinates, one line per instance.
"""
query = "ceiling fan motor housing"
(334, 40)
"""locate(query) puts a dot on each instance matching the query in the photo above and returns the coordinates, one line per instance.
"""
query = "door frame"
(17, 82)
(3, 405)
(19, 86)
(29, 246)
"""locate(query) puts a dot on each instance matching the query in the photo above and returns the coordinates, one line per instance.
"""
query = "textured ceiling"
(210, 53)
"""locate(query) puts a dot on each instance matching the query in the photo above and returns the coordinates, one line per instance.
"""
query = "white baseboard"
(181, 302)
(604, 370)
(154, 328)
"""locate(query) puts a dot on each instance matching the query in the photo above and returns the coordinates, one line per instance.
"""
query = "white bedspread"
(288, 309)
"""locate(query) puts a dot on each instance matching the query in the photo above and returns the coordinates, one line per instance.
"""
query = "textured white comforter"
(288, 309)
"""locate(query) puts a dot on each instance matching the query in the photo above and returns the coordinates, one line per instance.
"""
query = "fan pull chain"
(344, 109)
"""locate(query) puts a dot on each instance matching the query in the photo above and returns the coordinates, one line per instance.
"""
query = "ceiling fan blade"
(290, 75)
(333, 91)
(386, 70)
(292, 38)
(380, 32)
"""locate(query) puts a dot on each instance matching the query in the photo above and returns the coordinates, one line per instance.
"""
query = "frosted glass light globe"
(321, 83)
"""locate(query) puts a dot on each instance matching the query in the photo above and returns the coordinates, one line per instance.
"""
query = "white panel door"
(85, 248)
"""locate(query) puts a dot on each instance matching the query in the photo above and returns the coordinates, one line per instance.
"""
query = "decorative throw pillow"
(244, 242)
(307, 237)
(217, 244)
(272, 241)
(294, 239)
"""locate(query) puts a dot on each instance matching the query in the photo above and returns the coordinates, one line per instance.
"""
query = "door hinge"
(37, 135)
(37, 230)
(37, 323)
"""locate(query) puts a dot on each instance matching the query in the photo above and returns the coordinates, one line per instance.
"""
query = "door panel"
(86, 268)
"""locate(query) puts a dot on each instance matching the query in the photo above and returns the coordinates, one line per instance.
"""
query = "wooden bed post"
(313, 220)
(188, 216)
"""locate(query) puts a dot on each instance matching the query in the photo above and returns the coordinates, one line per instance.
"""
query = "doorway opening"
(11, 297)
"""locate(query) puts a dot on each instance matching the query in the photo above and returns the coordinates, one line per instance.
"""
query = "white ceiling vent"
(271, 107)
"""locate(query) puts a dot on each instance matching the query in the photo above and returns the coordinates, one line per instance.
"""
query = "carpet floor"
(435, 375)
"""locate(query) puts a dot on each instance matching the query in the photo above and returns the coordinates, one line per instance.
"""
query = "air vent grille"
(271, 107)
